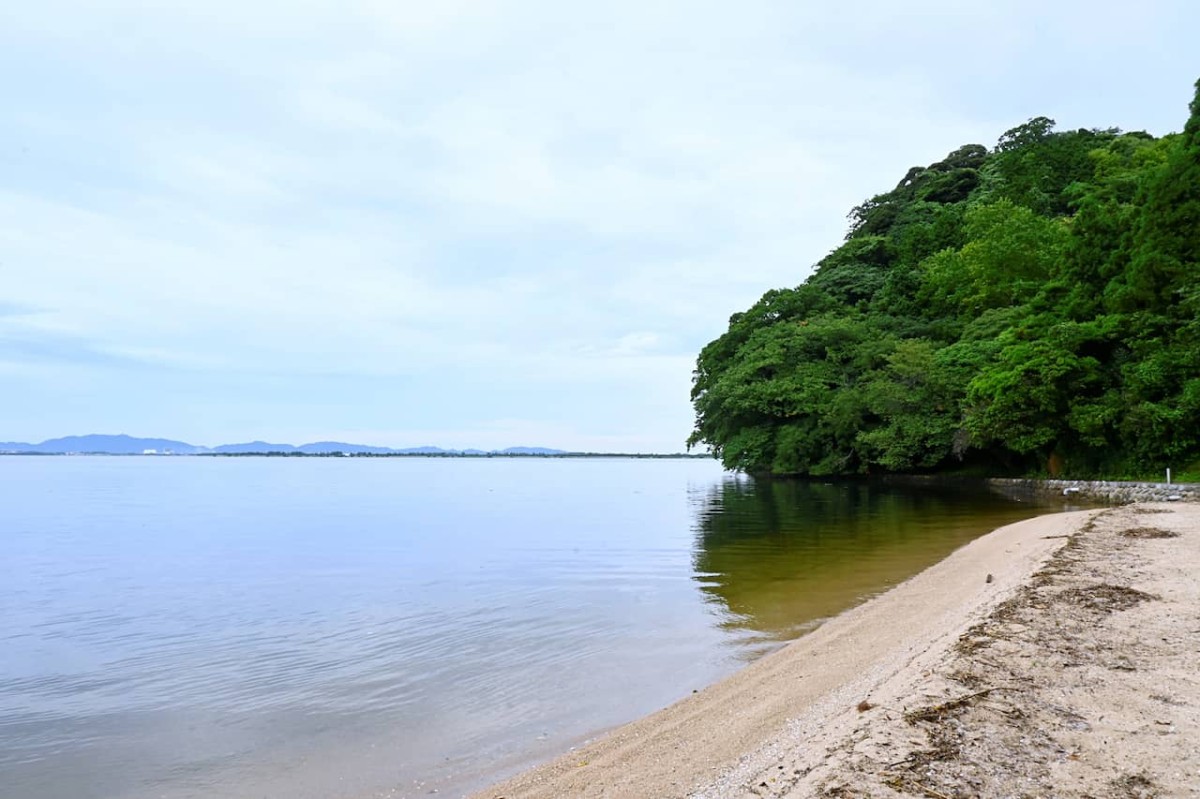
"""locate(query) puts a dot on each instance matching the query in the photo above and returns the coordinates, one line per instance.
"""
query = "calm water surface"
(250, 627)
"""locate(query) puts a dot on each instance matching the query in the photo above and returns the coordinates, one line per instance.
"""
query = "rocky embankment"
(1110, 491)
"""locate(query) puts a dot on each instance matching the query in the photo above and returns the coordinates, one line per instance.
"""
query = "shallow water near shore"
(237, 627)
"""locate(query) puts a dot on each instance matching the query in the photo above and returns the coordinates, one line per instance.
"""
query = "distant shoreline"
(269, 454)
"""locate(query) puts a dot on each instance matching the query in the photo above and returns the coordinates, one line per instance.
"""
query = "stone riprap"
(1111, 491)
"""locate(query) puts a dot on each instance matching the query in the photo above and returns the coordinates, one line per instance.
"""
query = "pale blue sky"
(476, 223)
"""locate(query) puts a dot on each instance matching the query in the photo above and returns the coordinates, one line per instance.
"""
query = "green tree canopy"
(1007, 308)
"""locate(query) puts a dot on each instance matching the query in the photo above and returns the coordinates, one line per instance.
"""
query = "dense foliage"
(1032, 308)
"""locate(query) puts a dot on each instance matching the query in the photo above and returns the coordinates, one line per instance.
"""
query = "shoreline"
(796, 722)
(678, 750)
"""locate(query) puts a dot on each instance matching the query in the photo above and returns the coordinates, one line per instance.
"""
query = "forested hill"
(1030, 308)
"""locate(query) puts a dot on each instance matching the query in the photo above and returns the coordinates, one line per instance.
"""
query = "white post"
(1168, 476)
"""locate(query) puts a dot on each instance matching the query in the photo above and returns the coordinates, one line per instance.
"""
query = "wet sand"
(1052, 656)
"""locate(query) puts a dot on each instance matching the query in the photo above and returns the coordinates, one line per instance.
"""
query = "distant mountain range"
(129, 445)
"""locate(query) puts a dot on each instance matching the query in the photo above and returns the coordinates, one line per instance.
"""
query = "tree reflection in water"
(775, 557)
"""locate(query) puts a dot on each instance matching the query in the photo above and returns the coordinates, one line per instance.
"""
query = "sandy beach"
(1052, 657)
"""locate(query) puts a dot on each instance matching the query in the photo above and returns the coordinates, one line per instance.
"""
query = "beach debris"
(973, 640)
(1148, 532)
(995, 722)
(940, 711)
(1135, 786)
(989, 578)
(907, 784)
(863, 706)
(1121, 663)
(967, 678)
(1105, 598)
(1166, 700)
(984, 634)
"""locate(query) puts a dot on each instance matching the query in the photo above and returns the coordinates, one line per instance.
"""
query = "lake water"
(343, 627)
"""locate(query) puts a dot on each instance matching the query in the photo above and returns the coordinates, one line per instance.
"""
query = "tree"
(1034, 304)
(1165, 261)
(1010, 253)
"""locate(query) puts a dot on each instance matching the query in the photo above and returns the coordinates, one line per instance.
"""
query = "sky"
(477, 224)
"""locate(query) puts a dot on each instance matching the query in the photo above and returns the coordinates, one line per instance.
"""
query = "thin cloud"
(432, 222)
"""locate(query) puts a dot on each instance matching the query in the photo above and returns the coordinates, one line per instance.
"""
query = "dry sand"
(1058, 656)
